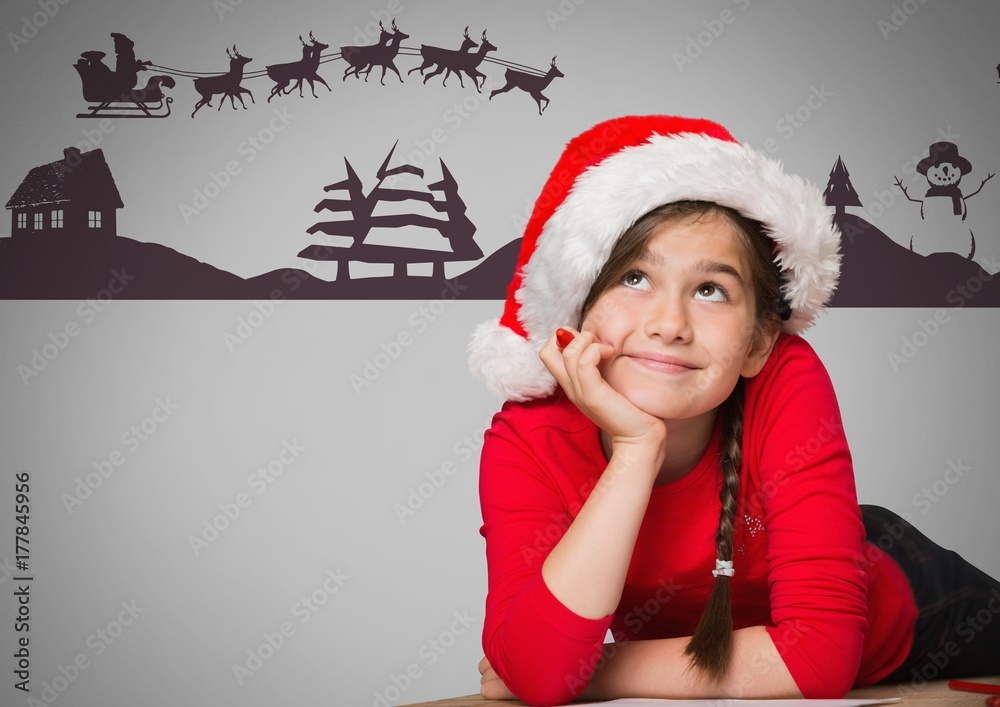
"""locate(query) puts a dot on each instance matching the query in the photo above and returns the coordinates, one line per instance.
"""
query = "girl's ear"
(758, 352)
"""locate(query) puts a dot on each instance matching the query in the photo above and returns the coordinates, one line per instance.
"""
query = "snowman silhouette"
(944, 206)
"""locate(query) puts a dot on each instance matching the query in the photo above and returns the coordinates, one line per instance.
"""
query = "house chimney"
(71, 157)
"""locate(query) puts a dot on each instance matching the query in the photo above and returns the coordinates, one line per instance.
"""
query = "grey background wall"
(265, 530)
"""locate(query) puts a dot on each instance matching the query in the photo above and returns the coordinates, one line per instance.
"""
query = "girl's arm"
(586, 569)
(553, 588)
(659, 669)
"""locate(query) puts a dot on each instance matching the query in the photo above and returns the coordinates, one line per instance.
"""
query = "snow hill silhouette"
(76, 265)
(878, 272)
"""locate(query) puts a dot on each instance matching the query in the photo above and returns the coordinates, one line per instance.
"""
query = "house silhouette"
(76, 194)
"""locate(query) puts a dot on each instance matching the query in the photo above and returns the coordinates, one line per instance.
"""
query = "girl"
(671, 464)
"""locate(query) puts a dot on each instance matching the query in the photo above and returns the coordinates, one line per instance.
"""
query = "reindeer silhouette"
(457, 62)
(358, 58)
(531, 83)
(305, 69)
(227, 84)
(433, 55)
(383, 55)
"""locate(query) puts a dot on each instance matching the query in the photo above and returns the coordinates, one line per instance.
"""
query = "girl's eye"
(636, 280)
(711, 293)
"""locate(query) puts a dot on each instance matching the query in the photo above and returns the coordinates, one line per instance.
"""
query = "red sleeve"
(542, 651)
(816, 574)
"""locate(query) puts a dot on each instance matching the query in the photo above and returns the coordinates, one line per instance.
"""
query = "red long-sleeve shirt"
(839, 611)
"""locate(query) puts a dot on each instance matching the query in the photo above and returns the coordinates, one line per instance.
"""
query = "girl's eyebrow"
(715, 266)
(704, 265)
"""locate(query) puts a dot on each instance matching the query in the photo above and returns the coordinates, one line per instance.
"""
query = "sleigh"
(113, 95)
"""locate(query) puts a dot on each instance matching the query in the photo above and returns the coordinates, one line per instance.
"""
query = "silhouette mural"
(944, 205)
(878, 272)
(65, 243)
(228, 84)
(65, 240)
(114, 92)
(305, 69)
(116, 96)
(456, 61)
(533, 85)
(75, 194)
(456, 228)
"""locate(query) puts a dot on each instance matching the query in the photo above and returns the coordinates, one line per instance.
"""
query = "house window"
(22, 220)
(39, 222)
(57, 218)
(93, 219)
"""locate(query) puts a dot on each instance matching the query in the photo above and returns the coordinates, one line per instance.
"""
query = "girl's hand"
(492, 687)
(576, 368)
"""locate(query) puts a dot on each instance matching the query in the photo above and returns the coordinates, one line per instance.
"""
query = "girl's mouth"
(662, 364)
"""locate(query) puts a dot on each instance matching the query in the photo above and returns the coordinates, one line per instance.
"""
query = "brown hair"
(710, 647)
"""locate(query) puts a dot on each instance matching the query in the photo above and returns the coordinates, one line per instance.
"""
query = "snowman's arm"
(988, 178)
(907, 194)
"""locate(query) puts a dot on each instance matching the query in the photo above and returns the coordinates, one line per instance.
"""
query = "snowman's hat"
(941, 152)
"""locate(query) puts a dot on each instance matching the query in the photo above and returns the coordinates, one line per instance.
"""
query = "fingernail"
(563, 337)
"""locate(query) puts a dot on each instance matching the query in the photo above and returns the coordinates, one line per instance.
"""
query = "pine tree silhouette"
(839, 190)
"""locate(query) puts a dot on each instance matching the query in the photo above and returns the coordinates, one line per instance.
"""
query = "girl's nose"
(668, 319)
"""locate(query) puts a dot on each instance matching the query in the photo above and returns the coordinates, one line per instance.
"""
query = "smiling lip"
(662, 364)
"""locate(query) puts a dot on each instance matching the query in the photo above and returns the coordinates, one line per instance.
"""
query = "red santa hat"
(606, 179)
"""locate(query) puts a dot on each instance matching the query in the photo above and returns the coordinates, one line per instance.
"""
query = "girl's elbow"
(828, 687)
(545, 691)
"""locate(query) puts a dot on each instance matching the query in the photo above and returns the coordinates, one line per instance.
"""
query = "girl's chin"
(659, 406)
(661, 409)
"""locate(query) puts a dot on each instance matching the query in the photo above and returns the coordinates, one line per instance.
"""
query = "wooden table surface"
(934, 693)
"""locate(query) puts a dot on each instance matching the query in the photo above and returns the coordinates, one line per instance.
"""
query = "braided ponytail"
(710, 647)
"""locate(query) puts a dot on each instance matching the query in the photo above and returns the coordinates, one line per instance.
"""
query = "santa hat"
(606, 179)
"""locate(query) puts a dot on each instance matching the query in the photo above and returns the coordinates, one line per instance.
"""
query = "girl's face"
(681, 321)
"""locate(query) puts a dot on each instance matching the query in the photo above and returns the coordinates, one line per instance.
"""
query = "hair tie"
(723, 567)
